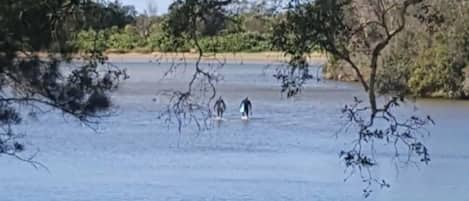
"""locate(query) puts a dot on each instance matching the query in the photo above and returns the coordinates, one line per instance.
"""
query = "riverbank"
(238, 57)
(340, 71)
(331, 71)
(229, 57)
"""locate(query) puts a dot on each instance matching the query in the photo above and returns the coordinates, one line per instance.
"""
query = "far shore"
(228, 57)
(242, 57)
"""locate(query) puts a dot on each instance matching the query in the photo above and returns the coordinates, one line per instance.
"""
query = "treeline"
(127, 39)
(428, 59)
(129, 32)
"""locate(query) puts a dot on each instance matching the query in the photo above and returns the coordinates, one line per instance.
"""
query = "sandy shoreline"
(237, 57)
(242, 57)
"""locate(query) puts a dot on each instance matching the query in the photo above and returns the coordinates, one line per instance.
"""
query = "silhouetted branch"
(193, 106)
(384, 127)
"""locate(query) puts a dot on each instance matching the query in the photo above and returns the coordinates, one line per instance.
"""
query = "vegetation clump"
(428, 59)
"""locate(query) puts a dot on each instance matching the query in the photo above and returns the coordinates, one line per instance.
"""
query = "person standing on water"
(220, 107)
(246, 108)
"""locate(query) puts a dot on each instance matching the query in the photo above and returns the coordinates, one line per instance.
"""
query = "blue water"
(287, 151)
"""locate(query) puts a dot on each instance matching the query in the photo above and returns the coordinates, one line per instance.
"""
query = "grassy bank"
(401, 84)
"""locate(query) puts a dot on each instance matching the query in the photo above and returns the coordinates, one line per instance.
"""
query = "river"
(288, 151)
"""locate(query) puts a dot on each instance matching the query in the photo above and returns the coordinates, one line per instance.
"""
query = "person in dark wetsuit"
(219, 107)
(246, 107)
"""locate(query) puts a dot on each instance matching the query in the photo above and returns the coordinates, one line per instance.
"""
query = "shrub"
(237, 42)
(437, 72)
(127, 39)
(90, 40)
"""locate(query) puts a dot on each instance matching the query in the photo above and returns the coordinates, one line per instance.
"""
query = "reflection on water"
(287, 151)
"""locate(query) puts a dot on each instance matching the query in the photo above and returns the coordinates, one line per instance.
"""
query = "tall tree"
(357, 32)
(105, 14)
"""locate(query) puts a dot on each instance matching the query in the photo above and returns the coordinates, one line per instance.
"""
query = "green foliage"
(155, 40)
(216, 28)
(356, 33)
(91, 40)
(429, 61)
(126, 39)
(31, 81)
(296, 34)
(190, 20)
(167, 42)
(111, 14)
(437, 71)
(236, 42)
(393, 80)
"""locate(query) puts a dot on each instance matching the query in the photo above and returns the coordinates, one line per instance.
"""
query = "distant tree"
(91, 40)
(146, 22)
(111, 14)
(428, 58)
(126, 39)
(152, 8)
(266, 7)
(211, 15)
(29, 80)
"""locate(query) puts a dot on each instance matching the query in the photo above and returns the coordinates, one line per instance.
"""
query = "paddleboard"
(218, 119)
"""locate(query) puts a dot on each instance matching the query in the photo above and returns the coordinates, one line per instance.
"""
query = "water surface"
(287, 152)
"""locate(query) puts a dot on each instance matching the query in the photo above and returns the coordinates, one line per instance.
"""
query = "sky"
(141, 5)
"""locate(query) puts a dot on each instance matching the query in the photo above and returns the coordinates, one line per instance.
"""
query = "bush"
(429, 59)
(127, 39)
(437, 72)
(87, 41)
(160, 42)
(237, 42)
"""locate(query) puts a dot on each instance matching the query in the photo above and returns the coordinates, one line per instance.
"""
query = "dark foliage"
(110, 14)
(293, 36)
(31, 80)
(386, 128)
